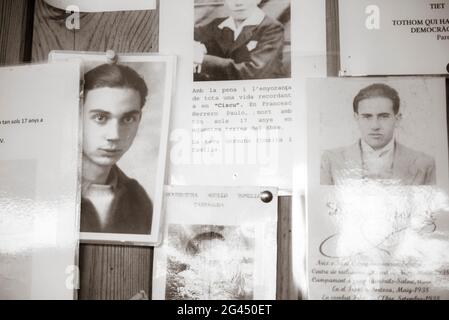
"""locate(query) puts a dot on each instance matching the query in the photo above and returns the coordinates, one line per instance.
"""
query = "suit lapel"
(225, 39)
(353, 158)
(246, 34)
(400, 162)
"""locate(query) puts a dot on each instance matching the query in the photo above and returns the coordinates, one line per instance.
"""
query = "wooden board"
(16, 31)
(50, 32)
(119, 272)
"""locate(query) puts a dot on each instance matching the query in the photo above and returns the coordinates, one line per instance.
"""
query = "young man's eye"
(130, 119)
(100, 118)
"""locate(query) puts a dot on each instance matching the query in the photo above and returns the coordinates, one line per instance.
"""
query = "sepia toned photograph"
(242, 40)
(206, 262)
(125, 128)
(382, 130)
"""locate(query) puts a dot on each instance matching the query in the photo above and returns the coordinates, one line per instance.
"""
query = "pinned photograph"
(220, 243)
(126, 105)
(378, 184)
(210, 263)
(242, 40)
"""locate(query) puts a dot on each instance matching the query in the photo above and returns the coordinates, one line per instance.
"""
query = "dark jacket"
(131, 212)
(227, 59)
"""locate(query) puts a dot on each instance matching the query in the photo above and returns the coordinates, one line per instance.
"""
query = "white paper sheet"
(104, 5)
(378, 236)
(402, 37)
(39, 192)
(225, 133)
(220, 244)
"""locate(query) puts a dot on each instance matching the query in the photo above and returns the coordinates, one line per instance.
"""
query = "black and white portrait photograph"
(125, 127)
(391, 131)
(242, 40)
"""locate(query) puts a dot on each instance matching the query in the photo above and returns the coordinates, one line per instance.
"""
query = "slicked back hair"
(378, 90)
(115, 76)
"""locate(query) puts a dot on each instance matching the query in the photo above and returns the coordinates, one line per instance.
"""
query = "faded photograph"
(207, 262)
(241, 40)
(377, 154)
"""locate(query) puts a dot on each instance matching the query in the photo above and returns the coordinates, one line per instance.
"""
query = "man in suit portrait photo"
(246, 44)
(377, 155)
(114, 96)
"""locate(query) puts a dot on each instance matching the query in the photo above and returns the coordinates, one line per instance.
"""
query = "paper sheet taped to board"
(39, 189)
(394, 37)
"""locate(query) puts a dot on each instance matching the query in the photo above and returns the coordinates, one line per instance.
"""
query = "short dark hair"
(378, 90)
(115, 76)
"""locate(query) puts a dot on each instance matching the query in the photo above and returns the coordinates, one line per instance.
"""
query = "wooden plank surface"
(119, 272)
(285, 286)
(114, 272)
(50, 32)
(332, 38)
(134, 31)
(15, 31)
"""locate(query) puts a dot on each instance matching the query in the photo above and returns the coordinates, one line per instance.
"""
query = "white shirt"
(102, 197)
(253, 20)
(378, 164)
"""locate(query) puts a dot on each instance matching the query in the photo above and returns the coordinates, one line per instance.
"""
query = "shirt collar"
(366, 148)
(253, 20)
(112, 180)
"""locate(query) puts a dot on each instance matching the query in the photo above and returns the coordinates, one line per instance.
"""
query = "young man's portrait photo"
(241, 40)
(124, 144)
(386, 146)
(114, 97)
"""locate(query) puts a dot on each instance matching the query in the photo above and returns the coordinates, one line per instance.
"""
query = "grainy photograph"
(389, 131)
(242, 40)
(125, 130)
(206, 262)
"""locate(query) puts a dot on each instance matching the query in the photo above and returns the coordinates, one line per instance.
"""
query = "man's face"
(111, 120)
(377, 121)
(241, 9)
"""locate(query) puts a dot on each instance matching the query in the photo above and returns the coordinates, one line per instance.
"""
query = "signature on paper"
(385, 243)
